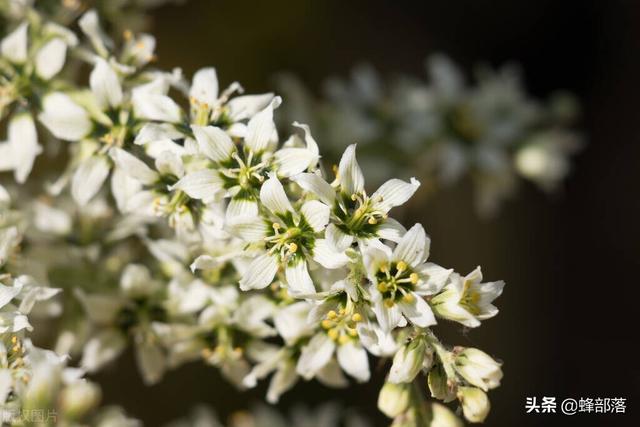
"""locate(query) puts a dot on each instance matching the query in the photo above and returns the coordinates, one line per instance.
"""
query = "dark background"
(568, 323)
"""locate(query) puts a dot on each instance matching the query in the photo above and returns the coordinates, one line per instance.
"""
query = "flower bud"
(78, 398)
(441, 416)
(394, 399)
(408, 362)
(478, 368)
(438, 384)
(475, 404)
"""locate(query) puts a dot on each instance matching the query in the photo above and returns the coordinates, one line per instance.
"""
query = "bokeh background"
(568, 325)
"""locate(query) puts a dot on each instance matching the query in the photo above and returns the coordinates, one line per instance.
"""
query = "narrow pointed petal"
(261, 128)
(316, 185)
(349, 172)
(204, 184)
(418, 312)
(353, 359)
(213, 142)
(88, 179)
(204, 87)
(105, 85)
(316, 214)
(394, 192)
(298, 278)
(260, 273)
(50, 58)
(413, 248)
(273, 197)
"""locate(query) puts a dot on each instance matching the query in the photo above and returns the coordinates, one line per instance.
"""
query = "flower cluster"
(37, 387)
(184, 225)
(443, 129)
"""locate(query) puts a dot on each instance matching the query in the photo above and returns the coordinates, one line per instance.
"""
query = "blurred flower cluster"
(169, 215)
(443, 129)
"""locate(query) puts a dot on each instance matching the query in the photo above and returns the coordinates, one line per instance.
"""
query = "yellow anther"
(327, 324)
(401, 266)
(413, 278)
(382, 287)
(206, 353)
(384, 268)
(332, 314)
(357, 317)
(408, 298)
(342, 311)
(389, 303)
(293, 247)
(14, 339)
(344, 339)
(372, 221)
(334, 334)
(238, 351)
(352, 332)
(334, 168)
(127, 35)
(354, 197)
(276, 226)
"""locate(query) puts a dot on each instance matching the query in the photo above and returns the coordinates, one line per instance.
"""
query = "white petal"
(50, 58)
(6, 384)
(327, 256)
(391, 230)
(105, 85)
(338, 238)
(204, 87)
(260, 273)
(90, 26)
(170, 163)
(298, 278)
(213, 142)
(394, 192)
(204, 184)
(24, 144)
(64, 118)
(273, 197)
(353, 359)
(433, 278)
(315, 355)
(246, 106)
(241, 208)
(261, 128)
(14, 46)
(88, 178)
(249, 229)
(418, 312)
(157, 107)
(101, 349)
(133, 166)
(331, 375)
(349, 172)
(7, 293)
(388, 317)
(312, 145)
(283, 380)
(316, 214)
(413, 248)
(151, 362)
(291, 321)
(292, 161)
(316, 185)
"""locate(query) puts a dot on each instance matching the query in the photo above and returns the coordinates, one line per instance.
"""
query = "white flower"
(475, 404)
(467, 300)
(288, 241)
(478, 368)
(400, 278)
(64, 118)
